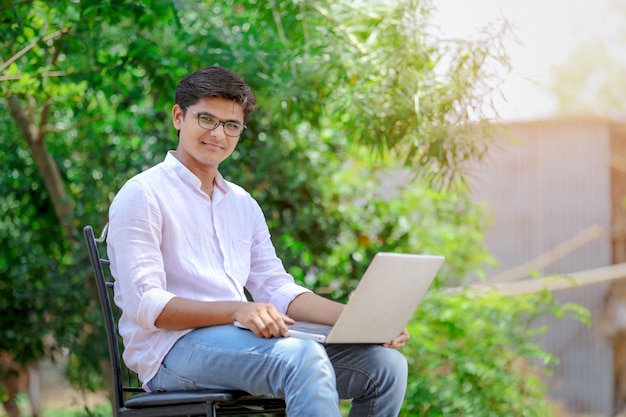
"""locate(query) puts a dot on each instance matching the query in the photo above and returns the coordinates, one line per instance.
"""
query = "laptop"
(381, 306)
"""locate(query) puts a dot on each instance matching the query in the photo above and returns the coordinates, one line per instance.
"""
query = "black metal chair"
(130, 399)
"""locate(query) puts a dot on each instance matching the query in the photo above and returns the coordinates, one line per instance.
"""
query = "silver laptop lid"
(385, 299)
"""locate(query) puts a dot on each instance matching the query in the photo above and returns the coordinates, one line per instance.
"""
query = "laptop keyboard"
(303, 326)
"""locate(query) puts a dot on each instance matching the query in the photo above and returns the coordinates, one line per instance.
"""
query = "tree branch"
(47, 167)
(30, 46)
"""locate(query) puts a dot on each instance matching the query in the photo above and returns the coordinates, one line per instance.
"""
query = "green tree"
(87, 89)
(62, 97)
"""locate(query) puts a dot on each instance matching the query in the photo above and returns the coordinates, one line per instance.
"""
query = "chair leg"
(211, 409)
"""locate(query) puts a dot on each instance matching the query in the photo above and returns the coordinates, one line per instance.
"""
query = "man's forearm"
(314, 308)
(181, 313)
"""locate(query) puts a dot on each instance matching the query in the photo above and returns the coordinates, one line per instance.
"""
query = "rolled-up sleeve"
(151, 304)
(285, 295)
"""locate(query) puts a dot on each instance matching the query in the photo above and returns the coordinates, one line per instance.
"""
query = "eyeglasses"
(209, 122)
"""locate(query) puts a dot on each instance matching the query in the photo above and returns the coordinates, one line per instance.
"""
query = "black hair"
(215, 81)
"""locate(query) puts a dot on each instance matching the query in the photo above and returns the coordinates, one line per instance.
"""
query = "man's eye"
(210, 120)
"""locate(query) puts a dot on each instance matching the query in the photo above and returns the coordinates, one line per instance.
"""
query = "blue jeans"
(310, 377)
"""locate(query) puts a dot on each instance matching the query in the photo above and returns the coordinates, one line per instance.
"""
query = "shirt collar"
(189, 177)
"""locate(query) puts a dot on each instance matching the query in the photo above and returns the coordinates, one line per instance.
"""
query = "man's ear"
(177, 116)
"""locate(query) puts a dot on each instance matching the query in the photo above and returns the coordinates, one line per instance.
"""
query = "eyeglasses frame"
(219, 122)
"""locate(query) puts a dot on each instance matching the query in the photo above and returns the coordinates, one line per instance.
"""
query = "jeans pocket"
(166, 380)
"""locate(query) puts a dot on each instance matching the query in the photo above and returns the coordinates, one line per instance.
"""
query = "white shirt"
(167, 238)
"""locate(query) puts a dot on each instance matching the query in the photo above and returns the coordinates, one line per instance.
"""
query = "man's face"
(199, 149)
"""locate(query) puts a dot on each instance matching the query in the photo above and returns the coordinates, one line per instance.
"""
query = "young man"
(183, 244)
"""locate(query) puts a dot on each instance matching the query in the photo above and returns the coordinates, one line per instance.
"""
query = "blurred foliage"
(474, 354)
(384, 210)
(359, 144)
(591, 80)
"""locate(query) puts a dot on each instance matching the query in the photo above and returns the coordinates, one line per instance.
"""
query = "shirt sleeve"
(268, 281)
(133, 246)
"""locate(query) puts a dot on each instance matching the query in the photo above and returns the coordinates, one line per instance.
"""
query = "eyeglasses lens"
(211, 122)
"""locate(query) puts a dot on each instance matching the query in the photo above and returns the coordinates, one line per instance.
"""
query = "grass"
(99, 411)
(103, 410)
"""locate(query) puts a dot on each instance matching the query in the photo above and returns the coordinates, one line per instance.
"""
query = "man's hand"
(264, 320)
(399, 341)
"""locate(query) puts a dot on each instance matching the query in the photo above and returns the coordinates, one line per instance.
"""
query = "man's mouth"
(212, 144)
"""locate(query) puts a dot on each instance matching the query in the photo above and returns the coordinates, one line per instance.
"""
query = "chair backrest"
(125, 381)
